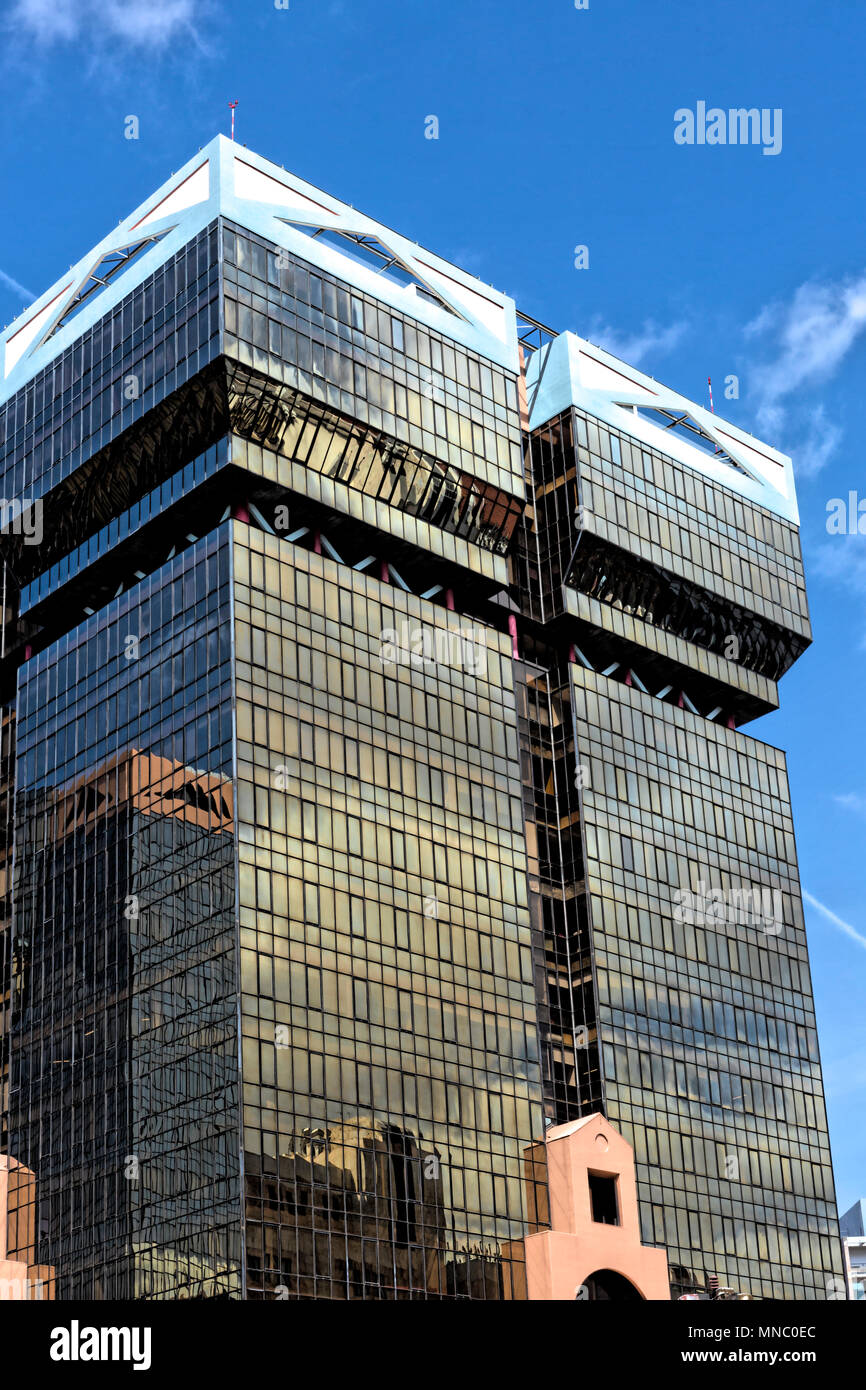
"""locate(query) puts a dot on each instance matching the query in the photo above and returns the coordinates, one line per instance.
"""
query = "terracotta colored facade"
(19, 1279)
(577, 1256)
(159, 786)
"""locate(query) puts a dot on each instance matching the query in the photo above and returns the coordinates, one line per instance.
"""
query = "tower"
(375, 729)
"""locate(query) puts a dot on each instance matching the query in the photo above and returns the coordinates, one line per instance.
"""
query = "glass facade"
(622, 521)
(123, 1088)
(359, 458)
(312, 331)
(678, 971)
(710, 1051)
(390, 1058)
(369, 760)
(159, 336)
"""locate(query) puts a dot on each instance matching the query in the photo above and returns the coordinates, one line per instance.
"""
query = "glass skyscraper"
(373, 793)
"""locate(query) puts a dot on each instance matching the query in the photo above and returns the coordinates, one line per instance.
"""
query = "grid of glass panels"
(645, 502)
(8, 961)
(391, 1077)
(308, 329)
(359, 457)
(125, 524)
(123, 1040)
(706, 1019)
(159, 336)
(390, 1072)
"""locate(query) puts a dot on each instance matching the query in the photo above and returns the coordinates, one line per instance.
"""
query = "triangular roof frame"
(226, 179)
(572, 371)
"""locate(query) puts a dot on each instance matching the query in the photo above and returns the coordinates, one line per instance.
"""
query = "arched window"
(605, 1285)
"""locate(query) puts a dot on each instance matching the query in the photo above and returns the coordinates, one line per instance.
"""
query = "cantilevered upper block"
(226, 179)
(574, 372)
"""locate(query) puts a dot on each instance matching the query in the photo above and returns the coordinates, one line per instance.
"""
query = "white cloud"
(16, 287)
(837, 921)
(806, 340)
(139, 23)
(763, 320)
(651, 340)
(841, 558)
(817, 441)
(852, 801)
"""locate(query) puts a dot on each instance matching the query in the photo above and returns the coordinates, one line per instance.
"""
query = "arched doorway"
(605, 1285)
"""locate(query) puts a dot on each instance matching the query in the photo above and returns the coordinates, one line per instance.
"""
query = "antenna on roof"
(232, 105)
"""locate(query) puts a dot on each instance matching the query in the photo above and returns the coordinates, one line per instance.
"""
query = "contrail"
(15, 287)
(837, 921)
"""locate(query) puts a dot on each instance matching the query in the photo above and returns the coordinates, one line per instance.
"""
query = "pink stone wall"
(559, 1261)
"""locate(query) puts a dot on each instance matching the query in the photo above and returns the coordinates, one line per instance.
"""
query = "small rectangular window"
(603, 1196)
(357, 916)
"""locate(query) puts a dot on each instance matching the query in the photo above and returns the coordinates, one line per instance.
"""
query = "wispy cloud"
(16, 288)
(852, 801)
(837, 921)
(842, 560)
(650, 341)
(816, 442)
(799, 345)
(138, 23)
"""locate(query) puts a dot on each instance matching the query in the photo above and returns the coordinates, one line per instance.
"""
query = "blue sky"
(555, 130)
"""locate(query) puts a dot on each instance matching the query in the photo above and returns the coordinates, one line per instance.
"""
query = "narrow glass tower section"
(667, 558)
